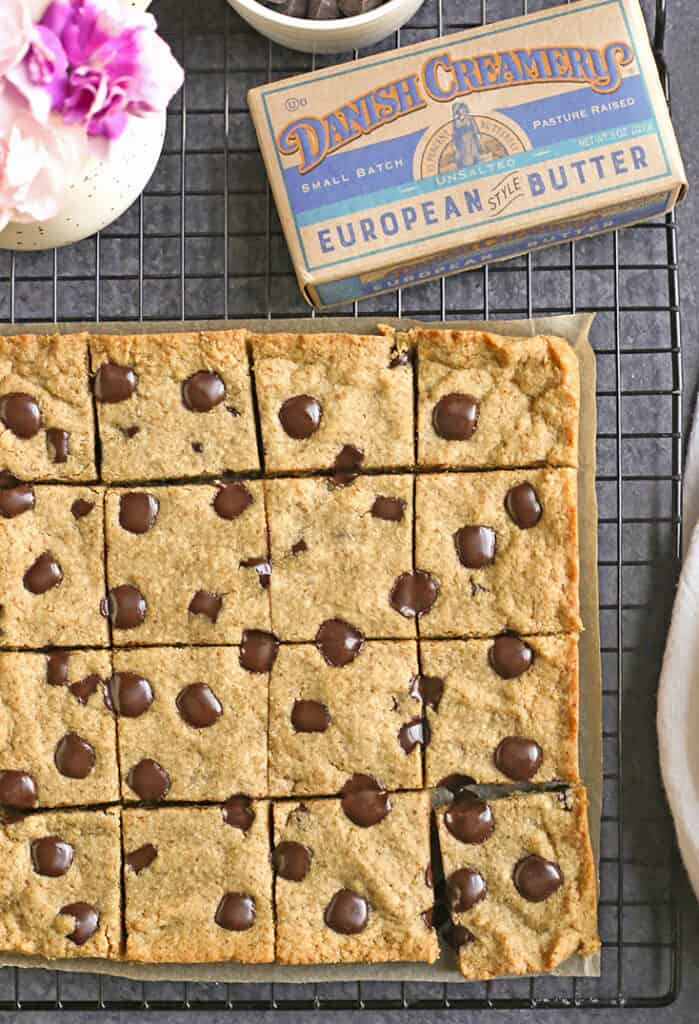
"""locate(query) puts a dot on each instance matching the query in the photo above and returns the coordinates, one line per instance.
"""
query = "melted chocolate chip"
(456, 936)
(428, 917)
(536, 879)
(21, 414)
(43, 575)
(199, 706)
(390, 509)
(231, 501)
(399, 357)
(130, 694)
(206, 604)
(149, 780)
(412, 734)
(523, 507)
(57, 668)
(364, 802)
(232, 410)
(84, 688)
(125, 606)
(86, 919)
(74, 757)
(51, 856)
(203, 391)
(359, 782)
(465, 887)
(130, 432)
(197, 447)
(141, 858)
(258, 650)
(414, 593)
(518, 758)
(475, 546)
(310, 716)
(455, 417)
(81, 508)
(346, 466)
(292, 861)
(17, 789)
(428, 689)
(236, 912)
(455, 782)
(347, 913)
(262, 567)
(429, 878)
(58, 444)
(16, 500)
(339, 642)
(138, 511)
(114, 383)
(238, 812)
(299, 547)
(300, 416)
(469, 819)
(509, 656)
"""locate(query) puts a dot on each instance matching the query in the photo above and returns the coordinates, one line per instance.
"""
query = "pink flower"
(15, 33)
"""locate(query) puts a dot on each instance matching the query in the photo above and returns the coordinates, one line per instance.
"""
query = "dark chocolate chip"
(58, 444)
(74, 757)
(258, 650)
(414, 593)
(16, 500)
(130, 432)
(291, 860)
(84, 688)
(469, 819)
(536, 879)
(130, 694)
(43, 575)
(292, 8)
(358, 782)
(51, 856)
(465, 887)
(350, 9)
(347, 913)
(518, 758)
(141, 858)
(197, 447)
(364, 802)
(57, 668)
(428, 917)
(21, 414)
(346, 466)
(455, 417)
(115, 383)
(86, 919)
(475, 546)
(236, 912)
(399, 356)
(231, 500)
(17, 789)
(232, 410)
(300, 416)
(390, 509)
(206, 604)
(262, 567)
(456, 936)
(523, 507)
(509, 656)
(125, 606)
(299, 547)
(199, 706)
(238, 812)
(149, 780)
(456, 782)
(339, 642)
(414, 733)
(81, 508)
(428, 689)
(138, 511)
(323, 10)
(429, 878)
(203, 391)
(310, 716)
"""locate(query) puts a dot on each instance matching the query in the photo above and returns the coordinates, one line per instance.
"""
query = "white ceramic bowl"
(337, 36)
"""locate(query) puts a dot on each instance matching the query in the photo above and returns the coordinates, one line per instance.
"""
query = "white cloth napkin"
(678, 695)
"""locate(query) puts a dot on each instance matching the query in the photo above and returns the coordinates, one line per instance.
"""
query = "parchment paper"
(575, 329)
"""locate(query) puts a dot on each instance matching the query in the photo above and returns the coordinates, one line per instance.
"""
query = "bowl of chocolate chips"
(326, 26)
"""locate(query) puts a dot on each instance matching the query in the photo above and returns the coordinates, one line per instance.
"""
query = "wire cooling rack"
(204, 242)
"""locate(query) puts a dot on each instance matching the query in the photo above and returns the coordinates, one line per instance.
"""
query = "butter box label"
(489, 136)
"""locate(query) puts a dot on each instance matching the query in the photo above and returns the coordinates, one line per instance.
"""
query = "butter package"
(442, 156)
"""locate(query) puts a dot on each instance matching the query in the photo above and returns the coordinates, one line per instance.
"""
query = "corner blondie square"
(330, 723)
(503, 547)
(502, 710)
(173, 405)
(487, 401)
(198, 885)
(520, 881)
(354, 893)
(47, 429)
(57, 733)
(187, 564)
(338, 552)
(52, 581)
(321, 395)
(195, 712)
(60, 884)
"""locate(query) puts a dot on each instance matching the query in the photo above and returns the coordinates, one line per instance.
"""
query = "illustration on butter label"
(467, 139)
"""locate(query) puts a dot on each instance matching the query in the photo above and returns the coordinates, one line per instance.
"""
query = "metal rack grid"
(204, 242)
